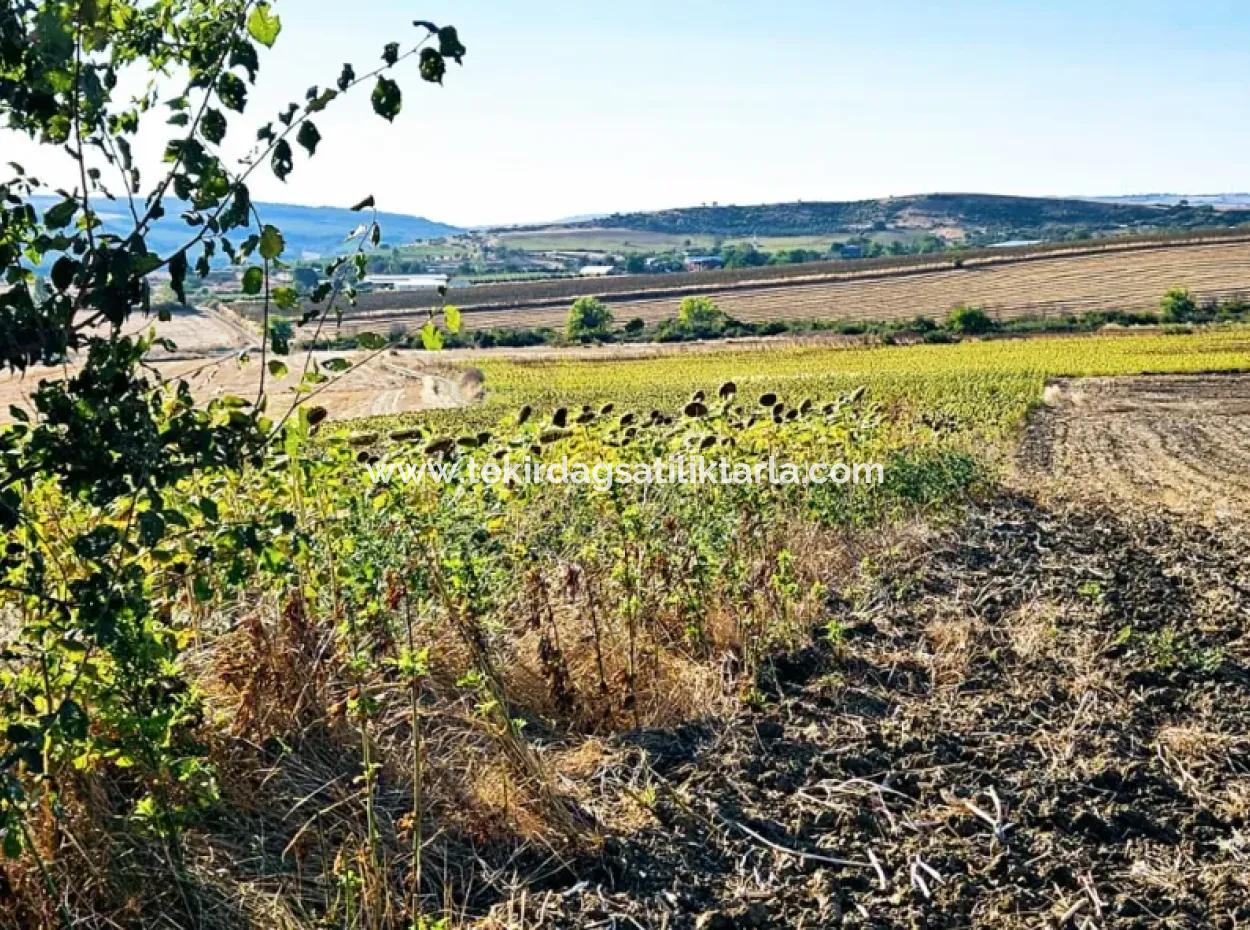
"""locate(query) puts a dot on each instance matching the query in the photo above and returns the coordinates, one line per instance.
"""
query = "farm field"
(1040, 286)
(981, 692)
(767, 562)
(624, 240)
(946, 375)
(373, 386)
(1177, 442)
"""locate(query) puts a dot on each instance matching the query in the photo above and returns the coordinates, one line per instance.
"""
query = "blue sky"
(576, 107)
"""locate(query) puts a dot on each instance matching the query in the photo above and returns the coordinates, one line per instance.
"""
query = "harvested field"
(197, 330)
(1180, 442)
(1034, 717)
(984, 745)
(381, 385)
(1040, 286)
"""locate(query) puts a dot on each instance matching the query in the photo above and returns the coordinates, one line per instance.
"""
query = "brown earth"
(1180, 442)
(379, 384)
(1034, 717)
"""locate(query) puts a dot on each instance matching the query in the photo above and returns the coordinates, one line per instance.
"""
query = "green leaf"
(178, 275)
(63, 272)
(277, 368)
(151, 528)
(308, 136)
(213, 125)
(451, 317)
(59, 217)
(281, 332)
(449, 45)
(263, 25)
(336, 364)
(286, 298)
(370, 341)
(432, 66)
(390, 54)
(431, 337)
(253, 281)
(232, 91)
(271, 243)
(281, 162)
(387, 99)
(346, 77)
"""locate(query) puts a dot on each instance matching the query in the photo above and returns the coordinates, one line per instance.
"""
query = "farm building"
(704, 262)
(406, 282)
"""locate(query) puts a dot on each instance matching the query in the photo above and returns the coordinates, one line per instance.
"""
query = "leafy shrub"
(969, 321)
(589, 318)
(701, 316)
(1178, 306)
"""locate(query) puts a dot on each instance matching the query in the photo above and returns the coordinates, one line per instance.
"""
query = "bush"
(969, 321)
(701, 316)
(635, 326)
(672, 331)
(1178, 306)
(589, 318)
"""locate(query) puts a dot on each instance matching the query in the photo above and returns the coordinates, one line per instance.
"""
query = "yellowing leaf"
(263, 25)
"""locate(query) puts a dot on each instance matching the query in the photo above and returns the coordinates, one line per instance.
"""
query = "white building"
(406, 282)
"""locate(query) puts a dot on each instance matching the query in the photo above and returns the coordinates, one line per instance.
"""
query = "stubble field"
(1041, 286)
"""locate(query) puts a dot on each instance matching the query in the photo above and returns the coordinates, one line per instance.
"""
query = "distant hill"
(980, 217)
(1219, 201)
(317, 230)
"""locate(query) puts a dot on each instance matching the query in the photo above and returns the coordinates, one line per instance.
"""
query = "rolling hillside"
(312, 230)
(979, 217)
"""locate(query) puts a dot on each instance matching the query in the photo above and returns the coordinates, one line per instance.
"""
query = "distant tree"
(1178, 306)
(929, 243)
(701, 316)
(969, 321)
(635, 326)
(589, 318)
(744, 256)
(636, 264)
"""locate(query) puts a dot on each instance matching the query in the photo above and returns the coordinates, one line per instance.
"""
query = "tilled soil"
(1181, 442)
(1039, 720)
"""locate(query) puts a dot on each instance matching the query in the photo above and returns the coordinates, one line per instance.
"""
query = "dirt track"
(1180, 442)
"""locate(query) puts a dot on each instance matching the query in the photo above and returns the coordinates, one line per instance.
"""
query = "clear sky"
(566, 107)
